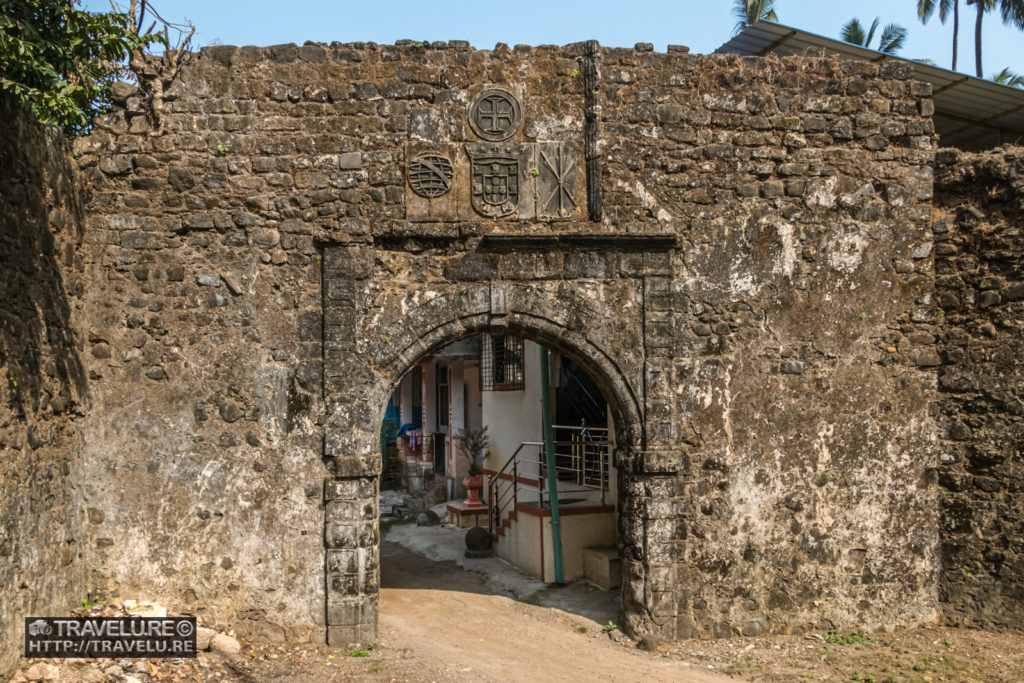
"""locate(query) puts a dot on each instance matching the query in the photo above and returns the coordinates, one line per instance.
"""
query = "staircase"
(519, 503)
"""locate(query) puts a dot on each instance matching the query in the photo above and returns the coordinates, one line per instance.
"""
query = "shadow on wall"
(40, 228)
(42, 379)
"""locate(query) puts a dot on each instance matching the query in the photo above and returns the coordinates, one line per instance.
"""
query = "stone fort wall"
(782, 466)
(741, 251)
(979, 258)
(43, 387)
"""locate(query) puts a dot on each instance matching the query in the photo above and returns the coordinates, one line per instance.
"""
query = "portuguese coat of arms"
(495, 178)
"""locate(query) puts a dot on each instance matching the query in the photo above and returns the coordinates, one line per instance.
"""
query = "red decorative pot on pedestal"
(473, 484)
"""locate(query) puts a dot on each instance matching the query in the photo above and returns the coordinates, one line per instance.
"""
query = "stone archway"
(376, 328)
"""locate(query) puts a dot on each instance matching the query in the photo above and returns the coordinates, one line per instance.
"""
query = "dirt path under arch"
(451, 619)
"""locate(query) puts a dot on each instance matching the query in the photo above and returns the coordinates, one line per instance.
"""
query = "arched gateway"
(377, 326)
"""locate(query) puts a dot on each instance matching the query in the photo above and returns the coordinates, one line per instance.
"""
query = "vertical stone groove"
(592, 128)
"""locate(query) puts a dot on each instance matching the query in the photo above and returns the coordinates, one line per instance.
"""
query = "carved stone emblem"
(495, 178)
(556, 180)
(495, 115)
(430, 175)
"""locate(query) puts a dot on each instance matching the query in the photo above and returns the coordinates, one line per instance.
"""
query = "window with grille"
(442, 398)
(501, 364)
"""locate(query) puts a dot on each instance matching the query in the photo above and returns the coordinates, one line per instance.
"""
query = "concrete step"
(602, 567)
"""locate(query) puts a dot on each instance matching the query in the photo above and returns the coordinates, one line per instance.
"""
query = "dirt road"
(442, 615)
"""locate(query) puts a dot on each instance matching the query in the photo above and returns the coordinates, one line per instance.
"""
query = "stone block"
(345, 262)
(351, 534)
(351, 610)
(660, 462)
(342, 511)
(352, 636)
(283, 53)
(350, 489)
(352, 560)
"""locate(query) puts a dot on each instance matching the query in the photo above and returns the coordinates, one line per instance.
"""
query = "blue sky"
(701, 24)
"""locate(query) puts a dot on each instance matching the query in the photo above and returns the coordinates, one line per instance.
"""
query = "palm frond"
(1012, 12)
(946, 9)
(1010, 78)
(739, 10)
(871, 33)
(892, 39)
(925, 10)
(853, 32)
(748, 12)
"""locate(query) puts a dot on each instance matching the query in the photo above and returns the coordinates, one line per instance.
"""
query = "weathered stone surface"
(203, 637)
(602, 304)
(42, 672)
(284, 286)
(222, 642)
(427, 518)
(981, 401)
(43, 381)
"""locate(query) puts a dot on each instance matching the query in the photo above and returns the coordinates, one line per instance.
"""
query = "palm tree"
(1012, 12)
(925, 9)
(1010, 78)
(748, 12)
(890, 42)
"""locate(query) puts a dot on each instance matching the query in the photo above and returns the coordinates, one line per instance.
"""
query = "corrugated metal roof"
(970, 112)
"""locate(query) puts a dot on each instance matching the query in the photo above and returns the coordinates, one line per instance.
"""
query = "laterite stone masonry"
(752, 257)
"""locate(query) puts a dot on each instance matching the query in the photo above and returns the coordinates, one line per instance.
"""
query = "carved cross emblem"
(495, 115)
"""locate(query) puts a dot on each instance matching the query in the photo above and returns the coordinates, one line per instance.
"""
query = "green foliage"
(59, 62)
(890, 42)
(474, 445)
(749, 12)
(947, 9)
(386, 524)
(1010, 78)
(1012, 14)
(359, 653)
(610, 626)
(833, 638)
(925, 9)
(91, 600)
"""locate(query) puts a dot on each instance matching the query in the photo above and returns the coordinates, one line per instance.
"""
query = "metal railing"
(587, 456)
(582, 459)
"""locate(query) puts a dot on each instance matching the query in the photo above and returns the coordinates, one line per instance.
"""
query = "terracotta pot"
(473, 484)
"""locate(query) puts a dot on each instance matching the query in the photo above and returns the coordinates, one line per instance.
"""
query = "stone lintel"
(591, 240)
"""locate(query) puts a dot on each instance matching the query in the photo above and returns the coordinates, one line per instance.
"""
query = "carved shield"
(495, 173)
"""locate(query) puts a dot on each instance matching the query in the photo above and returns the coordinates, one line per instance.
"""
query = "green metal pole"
(549, 452)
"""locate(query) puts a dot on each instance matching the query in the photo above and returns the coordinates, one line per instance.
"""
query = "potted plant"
(473, 445)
